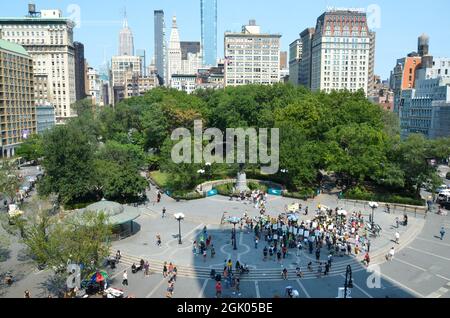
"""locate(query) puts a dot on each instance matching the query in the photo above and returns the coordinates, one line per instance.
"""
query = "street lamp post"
(348, 280)
(373, 205)
(179, 217)
(234, 221)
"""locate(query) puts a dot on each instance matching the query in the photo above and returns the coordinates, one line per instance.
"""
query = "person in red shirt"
(218, 289)
(367, 259)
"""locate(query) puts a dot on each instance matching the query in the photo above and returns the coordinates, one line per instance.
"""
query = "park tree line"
(102, 152)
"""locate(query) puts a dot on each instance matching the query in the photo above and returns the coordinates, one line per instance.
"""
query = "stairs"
(201, 272)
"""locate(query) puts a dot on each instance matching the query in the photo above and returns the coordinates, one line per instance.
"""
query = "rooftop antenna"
(125, 19)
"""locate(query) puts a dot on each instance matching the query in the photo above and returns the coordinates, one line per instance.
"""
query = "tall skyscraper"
(80, 67)
(252, 57)
(174, 64)
(17, 108)
(160, 46)
(209, 31)
(339, 53)
(48, 38)
(126, 42)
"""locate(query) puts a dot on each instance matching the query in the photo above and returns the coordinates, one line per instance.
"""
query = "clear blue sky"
(402, 21)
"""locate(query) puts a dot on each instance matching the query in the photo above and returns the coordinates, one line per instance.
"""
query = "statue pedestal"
(241, 183)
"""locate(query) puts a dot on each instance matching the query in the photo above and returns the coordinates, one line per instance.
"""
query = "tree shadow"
(55, 285)
(5, 254)
(24, 256)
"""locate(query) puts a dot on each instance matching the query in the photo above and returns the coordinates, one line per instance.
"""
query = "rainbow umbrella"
(99, 276)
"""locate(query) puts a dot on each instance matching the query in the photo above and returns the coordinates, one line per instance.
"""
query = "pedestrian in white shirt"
(391, 254)
(125, 278)
(397, 237)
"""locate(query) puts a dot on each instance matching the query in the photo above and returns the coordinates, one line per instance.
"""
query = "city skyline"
(100, 24)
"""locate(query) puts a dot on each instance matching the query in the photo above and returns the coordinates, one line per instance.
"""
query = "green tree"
(32, 148)
(68, 163)
(119, 182)
(412, 155)
(82, 238)
(9, 179)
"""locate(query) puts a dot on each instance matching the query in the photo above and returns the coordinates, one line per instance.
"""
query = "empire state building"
(126, 42)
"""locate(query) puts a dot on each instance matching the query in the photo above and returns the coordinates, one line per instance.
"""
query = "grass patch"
(364, 195)
(160, 178)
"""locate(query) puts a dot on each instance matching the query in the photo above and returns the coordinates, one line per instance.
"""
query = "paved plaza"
(420, 267)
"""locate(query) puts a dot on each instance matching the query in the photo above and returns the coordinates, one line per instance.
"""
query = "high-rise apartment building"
(342, 52)
(95, 86)
(121, 68)
(191, 57)
(251, 57)
(126, 41)
(304, 73)
(295, 56)
(421, 85)
(48, 38)
(17, 107)
(80, 71)
(160, 45)
(142, 55)
(209, 31)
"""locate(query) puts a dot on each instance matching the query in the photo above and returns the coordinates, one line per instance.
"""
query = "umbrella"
(234, 219)
(99, 276)
(293, 217)
(341, 212)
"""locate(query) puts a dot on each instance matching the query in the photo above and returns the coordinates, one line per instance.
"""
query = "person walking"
(368, 246)
(397, 222)
(174, 274)
(256, 242)
(327, 269)
(397, 238)
(165, 270)
(125, 278)
(330, 260)
(391, 254)
(204, 256)
(319, 270)
(213, 251)
(230, 266)
(284, 274)
(146, 268)
(27, 294)
(265, 253)
(170, 268)
(317, 254)
(170, 289)
(158, 196)
(218, 289)
(118, 256)
(237, 286)
(163, 212)
(158, 240)
(279, 256)
(367, 259)
(442, 232)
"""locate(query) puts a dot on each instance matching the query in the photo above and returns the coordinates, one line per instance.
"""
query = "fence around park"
(394, 207)
(207, 186)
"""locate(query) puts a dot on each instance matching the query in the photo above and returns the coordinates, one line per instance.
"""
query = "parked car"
(442, 188)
